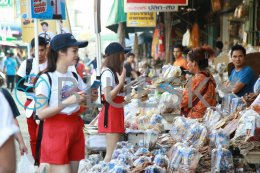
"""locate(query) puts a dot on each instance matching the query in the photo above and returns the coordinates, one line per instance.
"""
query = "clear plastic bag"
(156, 119)
(176, 156)
(84, 166)
(247, 124)
(226, 103)
(218, 139)
(141, 152)
(150, 138)
(26, 165)
(141, 160)
(143, 122)
(168, 103)
(154, 169)
(178, 130)
(211, 117)
(161, 160)
(237, 104)
(190, 160)
(101, 167)
(119, 169)
(196, 135)
(221, 161)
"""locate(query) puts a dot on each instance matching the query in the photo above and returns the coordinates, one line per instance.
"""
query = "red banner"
(177, 2)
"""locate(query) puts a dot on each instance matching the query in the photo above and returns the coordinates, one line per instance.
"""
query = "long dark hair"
(201, 55)
(53, 58)
(115, 63)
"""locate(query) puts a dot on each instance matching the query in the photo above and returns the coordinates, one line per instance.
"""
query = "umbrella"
(117, 15)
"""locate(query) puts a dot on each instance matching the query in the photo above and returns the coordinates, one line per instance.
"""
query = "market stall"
(159, 139)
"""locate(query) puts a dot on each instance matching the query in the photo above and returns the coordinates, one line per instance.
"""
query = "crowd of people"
(58, 105)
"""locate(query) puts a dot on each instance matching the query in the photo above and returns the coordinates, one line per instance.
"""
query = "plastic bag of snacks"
(226, 103)
(156, 119)
(237, 104)
(143, 122)
(84, 166)
(190, 159)
(141, 152)
(211, 117)
(161, 160)
(168, 103)
(247, 124)
(141, 160)
(196, 135)
(125, 159)
(176, 156)
(102, 167)
(221, 161)
(154, 169)
(178, 130)
(150, 138)
(119, 169)
(218, 139)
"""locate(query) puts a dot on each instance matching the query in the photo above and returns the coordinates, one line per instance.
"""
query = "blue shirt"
(10, 65)
(245, 76)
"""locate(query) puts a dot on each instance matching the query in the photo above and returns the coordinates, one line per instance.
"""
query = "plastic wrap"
(154, 169)
(178, 130)
(226, 103)
(102, 167)
(176, 156)
(170, 71)
(141, 160)
(168, 103)
(221, 161)
(218, 139)
(84, 166)
(126, 159)
(161, 160)
(156, 119)
(190, 160)
(211, 117)
(143, 122)
(141, 152)
(150, 138)
(119, 169)
(247, 124)
(236, 104)
(196, 135)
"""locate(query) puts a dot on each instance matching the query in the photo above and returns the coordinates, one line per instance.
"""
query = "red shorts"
(63, 139)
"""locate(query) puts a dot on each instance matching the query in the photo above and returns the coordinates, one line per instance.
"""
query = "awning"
(8, 43)
(117, 15)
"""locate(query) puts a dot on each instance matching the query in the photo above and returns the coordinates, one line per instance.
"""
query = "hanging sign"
(46, 28)
(153, 5)
(145, 19)
(175, 2)
(47, 9)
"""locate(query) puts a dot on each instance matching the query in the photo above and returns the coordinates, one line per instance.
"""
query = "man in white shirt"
(7, 132)
(26, 74)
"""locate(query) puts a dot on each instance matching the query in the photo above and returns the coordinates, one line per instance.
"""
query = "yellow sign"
(46, 28)
(142, 19)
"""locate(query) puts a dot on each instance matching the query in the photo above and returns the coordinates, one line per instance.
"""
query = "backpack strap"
(103, 100)
(75, 75)
(28, 66)
(40, 130)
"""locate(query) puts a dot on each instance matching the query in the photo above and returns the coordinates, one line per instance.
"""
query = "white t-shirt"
(58, 94)
(108, 80)
(22, 72)
(7, 125)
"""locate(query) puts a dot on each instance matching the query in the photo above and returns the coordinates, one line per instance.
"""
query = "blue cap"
(114, 47)
(61, 41)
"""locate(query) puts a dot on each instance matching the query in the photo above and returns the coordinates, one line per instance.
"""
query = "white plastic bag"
(26, 165)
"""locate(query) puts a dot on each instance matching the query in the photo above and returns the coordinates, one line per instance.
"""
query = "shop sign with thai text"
(142, 19)
(153, 5)
(4, 3)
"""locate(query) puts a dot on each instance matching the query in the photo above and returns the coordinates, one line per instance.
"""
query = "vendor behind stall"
(199, 93)
(242, 77)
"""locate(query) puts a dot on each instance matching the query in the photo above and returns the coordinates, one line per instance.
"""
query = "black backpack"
(40, 129)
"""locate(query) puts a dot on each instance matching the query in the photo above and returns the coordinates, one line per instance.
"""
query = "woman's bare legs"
(112, 139)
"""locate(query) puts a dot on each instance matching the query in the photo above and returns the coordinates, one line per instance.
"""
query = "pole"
(36, 44)
(98, 41)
